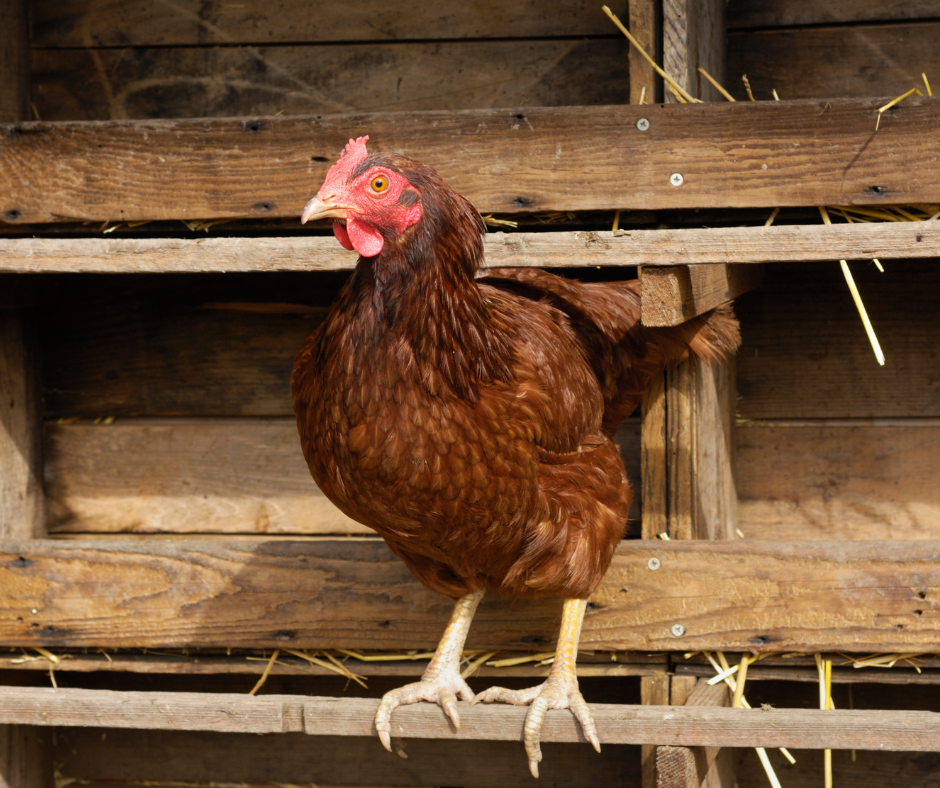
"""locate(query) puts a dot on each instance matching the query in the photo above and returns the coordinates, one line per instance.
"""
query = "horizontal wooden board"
(834, 62)
(783, 13)
(667, 247)
(112, 23)
(225, 82)
(894, 676)
(538, 159)
(761, 596)
(859, 769)
(235, 476)
(122, 758)
(839, 481)
(805, 354)
(325, 716)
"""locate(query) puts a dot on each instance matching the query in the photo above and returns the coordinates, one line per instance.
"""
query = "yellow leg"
(559, 691)
(441, 682)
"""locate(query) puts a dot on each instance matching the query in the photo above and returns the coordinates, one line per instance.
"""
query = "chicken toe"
(558, 691)
(441, 682)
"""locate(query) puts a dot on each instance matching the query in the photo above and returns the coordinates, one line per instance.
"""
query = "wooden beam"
(323, 593)
(687, 726)
(897, 676)
(14, 61)
(536, 159)
(650, 249)
(654, 691)
(688, 767)
(674, 294)
(645, 26)
(786, 13)
(693, 37)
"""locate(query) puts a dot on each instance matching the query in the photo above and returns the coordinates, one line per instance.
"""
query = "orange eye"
(379, 183)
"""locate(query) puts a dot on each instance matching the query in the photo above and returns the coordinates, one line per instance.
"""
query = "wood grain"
(645, 26)
(760, 596)
(235, 476)
(805, 354)
(839, 480)
(131, 756)
(654, 691)
(688, 767)
(21, 490)
(538, 159)
(783, 13)
(647, 248)
(112, 23)
(14, 62)
(831, 62)
(674, 294)
(866, 770)
(231, 81)
(26, 757)
(694, 37)
(680, 725)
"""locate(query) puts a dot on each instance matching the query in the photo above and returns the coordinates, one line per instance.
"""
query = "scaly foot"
(558, 692)
(442, 687)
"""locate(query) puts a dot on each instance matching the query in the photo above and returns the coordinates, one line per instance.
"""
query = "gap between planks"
(683, 726)
(783, 243)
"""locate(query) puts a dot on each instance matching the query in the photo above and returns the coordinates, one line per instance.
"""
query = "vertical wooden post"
(654, 691)
(25, 752)
(687, 431)
(644, 25)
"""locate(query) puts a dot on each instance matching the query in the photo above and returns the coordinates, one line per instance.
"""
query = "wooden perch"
(685, 726)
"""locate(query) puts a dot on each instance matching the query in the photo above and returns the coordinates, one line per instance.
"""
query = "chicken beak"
(323, 207)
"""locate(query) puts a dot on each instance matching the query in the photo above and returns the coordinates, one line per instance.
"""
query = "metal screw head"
(653, 564)
(677, 630)
(34, 611)
(643, 124)
(676, 179)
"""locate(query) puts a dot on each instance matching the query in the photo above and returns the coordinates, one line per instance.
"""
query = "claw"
(448, 702)
(386, 740)
(534, 768)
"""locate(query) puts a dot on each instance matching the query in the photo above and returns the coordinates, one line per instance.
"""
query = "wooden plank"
(784, 13)
(915, 731)
(26, 757)
(14, 62)
(112, 23)
(839, 479)
(212, 476)
(688, 767)
(234, 476)
(817, 153)
(894, 676)
(654, 691)
(133, 756)
(759, 596)
(648, 248)
(694, 37)
(674, 294)
(645, 26)
(863, 60)
(805, 354)
(231, 81)
(653, 464)
(21, 493)
(197, 663)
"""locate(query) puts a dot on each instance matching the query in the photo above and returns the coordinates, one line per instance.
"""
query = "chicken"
(470, 421)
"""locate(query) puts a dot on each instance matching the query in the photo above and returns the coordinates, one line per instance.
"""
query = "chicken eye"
(379, 183)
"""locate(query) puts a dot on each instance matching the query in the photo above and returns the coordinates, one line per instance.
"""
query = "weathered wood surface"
(865, 770)
(14, 61)
(203, 665)
(648, 248)
(325, 716)
(762, 596)
(834, 62)
(26, 757)
(805, 354)
(674, 294)
(536, 159)
(129, 757)
(231, 81)
(839, 479)
(113, 23)
(235, 476)
(896, 676)
(694, 37)
(21, 492)
(654, 691)
(688, 767)
(646, 27)
(781, 13)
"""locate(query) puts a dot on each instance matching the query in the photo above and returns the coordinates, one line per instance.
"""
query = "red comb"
(353, 154)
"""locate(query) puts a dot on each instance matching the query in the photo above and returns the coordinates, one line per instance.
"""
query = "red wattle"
(364, 237)
(342, 236)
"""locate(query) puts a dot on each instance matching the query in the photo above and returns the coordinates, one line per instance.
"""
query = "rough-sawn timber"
(322, 593)
(741, 154)
(779, 244)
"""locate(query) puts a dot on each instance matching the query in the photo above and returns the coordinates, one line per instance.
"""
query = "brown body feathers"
(469, 421)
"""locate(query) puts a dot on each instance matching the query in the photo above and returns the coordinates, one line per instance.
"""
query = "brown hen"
(469, 420)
